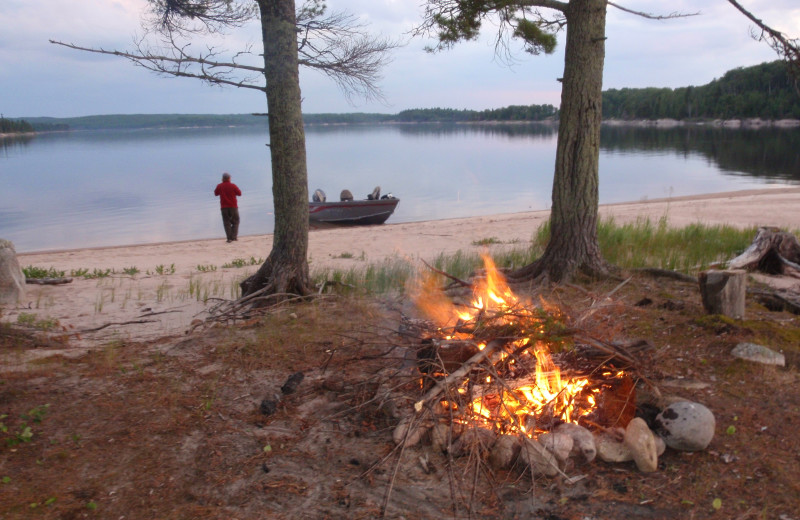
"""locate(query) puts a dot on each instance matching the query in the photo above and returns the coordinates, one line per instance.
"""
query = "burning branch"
(434, 392)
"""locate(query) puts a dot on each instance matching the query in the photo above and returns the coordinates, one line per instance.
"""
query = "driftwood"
(48, 281)
(773, 252)
(780, 300)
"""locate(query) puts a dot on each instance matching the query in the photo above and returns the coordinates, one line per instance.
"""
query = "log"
(723, 292)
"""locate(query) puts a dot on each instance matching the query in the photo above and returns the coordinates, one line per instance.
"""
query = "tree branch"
(336, 45)
(158, 63)
(788, 49)
(651, 16)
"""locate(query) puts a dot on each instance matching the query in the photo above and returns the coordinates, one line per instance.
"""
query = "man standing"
(227, 192)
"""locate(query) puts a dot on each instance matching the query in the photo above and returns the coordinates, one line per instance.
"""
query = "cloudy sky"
(41, 79)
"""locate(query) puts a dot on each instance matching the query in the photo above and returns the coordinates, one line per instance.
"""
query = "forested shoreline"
(766, 92)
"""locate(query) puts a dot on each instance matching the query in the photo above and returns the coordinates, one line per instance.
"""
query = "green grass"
(41, 272)
(31, 320)
(643, 243)
(688, 249)
(243, 262)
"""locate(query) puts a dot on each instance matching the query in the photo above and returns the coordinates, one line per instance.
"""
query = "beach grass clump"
(488, 241)
(648, 243)
(639, 244)
(243, 262)
(31, 320)
(162, 269)
(691, 248)
(42, 272)
(374, 278)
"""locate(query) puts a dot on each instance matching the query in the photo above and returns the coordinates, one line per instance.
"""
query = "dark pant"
(230, 221)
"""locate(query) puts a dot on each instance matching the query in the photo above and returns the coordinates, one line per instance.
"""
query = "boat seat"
(346, 196)
(319, 196)
(376, 194)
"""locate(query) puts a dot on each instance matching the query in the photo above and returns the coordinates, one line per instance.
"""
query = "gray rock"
(639, 440)
(686, 426)
(12, 279)
(610, 449)
(661, 446)
(541, 461)
(410, 430)
(758, 354)
(559, 444)
(504, 452)
(582, 440)
(473, 439)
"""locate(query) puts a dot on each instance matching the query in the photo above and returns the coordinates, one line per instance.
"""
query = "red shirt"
(227, 192)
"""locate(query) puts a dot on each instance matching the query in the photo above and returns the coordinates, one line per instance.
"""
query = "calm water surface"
(87, 189)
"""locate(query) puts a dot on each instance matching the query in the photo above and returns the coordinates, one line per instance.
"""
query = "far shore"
(164, 297)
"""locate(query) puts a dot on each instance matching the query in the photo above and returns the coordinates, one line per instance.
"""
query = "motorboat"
(375, 209)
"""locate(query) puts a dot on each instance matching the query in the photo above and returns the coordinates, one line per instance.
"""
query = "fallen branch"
(784, 300)
(48, 281)
(101, 327)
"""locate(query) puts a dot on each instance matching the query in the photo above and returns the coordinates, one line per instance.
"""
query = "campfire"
(514, 384)
(517, 380)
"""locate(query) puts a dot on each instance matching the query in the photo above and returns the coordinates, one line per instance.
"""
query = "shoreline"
(616, 209)
(177, 282)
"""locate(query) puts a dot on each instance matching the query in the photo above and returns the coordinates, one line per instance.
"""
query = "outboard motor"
(319, 196)
(345, 196)
(376, 194)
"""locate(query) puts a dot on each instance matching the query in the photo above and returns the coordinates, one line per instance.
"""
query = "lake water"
(88, 189)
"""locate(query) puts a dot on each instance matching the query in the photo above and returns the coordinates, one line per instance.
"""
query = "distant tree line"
(450, 115)
(14, 126)
(764, 91)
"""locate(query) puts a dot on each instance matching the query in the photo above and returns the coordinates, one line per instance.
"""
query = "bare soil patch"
(174, 428)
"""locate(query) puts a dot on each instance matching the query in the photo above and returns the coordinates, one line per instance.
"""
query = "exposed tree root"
(545, 270)
(275, 280)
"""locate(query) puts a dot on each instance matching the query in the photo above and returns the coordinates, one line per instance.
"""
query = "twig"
(135, 322)
(459, 281)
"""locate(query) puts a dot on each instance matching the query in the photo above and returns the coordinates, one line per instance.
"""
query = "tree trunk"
(573, 241)
(286, 268)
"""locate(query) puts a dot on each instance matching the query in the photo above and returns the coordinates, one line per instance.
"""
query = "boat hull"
(352, 213)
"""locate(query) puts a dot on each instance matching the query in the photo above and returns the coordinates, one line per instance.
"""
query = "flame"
(505, 404)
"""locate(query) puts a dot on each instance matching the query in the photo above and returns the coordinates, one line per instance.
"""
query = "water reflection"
(769, 153)
(80, 189)
(12, 145)
(510, 130)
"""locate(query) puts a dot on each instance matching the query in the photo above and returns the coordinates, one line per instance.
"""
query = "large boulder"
(686, 426)
(12, 279)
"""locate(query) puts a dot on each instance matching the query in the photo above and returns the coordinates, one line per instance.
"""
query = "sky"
(41, 79)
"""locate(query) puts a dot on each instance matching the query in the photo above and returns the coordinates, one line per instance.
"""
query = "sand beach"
(167, 293)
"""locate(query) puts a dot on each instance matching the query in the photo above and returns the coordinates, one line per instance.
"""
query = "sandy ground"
(165, 304)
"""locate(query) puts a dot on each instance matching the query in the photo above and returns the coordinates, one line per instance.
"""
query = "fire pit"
(513, 380)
